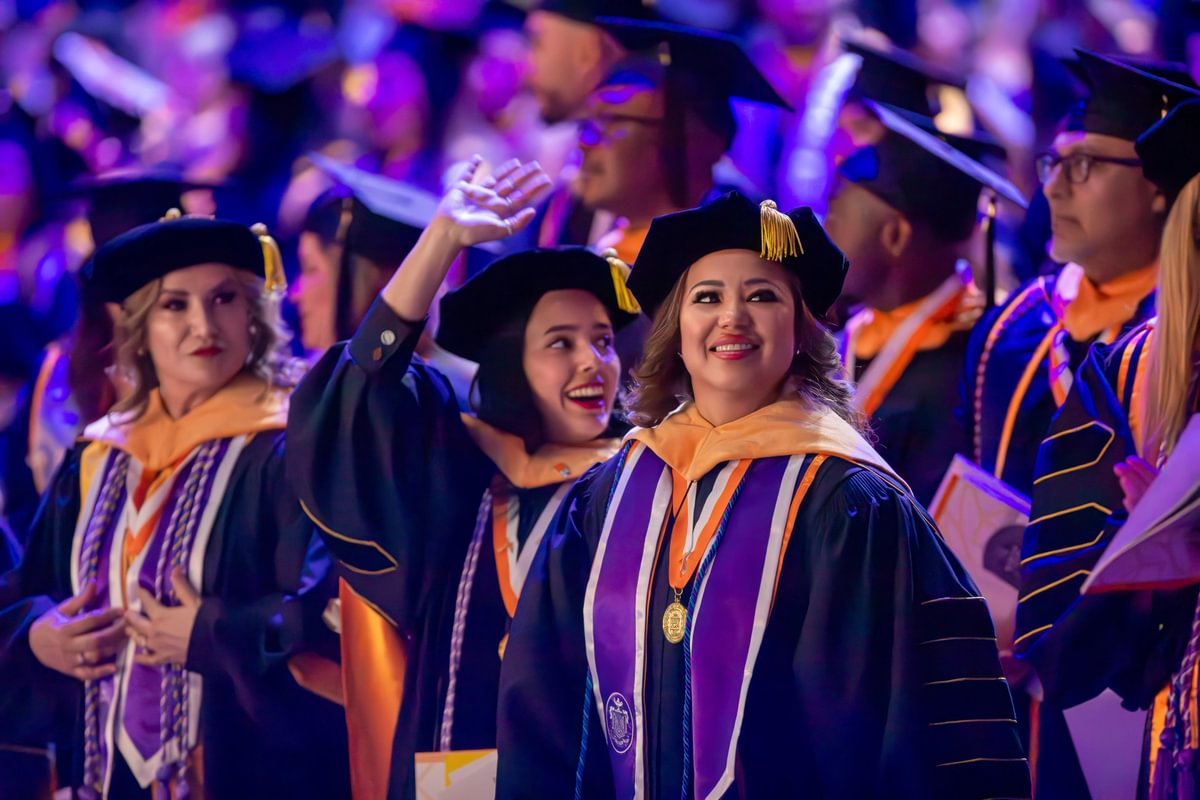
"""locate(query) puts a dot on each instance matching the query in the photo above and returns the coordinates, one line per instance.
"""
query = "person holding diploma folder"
(747, 601)
(1122, 419)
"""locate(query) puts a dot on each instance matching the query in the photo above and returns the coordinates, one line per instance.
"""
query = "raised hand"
(76, 642)
(480, 210)
(162, 632)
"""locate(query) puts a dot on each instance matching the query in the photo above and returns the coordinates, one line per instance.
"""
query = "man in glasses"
(1106, 220)
(569, 54)
(657, 125)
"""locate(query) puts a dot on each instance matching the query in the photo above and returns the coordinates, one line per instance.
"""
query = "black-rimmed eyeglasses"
(1078, 165)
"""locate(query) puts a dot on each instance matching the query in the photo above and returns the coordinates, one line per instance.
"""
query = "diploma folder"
(982, 520)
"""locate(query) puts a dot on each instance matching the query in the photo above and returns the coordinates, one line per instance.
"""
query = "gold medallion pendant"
(674, 622)
(503, 646)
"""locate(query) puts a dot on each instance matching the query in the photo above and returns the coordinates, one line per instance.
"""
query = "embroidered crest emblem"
(620, 725)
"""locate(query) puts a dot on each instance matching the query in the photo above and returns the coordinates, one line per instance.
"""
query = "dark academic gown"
(1130, 642)
(380, 457)
(267, 580)
(855, 673)
(994, 369)
(917, 429)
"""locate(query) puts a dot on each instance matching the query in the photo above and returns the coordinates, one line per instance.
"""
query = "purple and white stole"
(149, 714)
(726, 634)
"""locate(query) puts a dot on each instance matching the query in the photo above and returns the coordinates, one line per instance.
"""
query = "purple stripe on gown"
(614, 619)
(724, 625)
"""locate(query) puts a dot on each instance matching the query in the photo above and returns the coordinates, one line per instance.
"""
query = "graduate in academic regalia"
(656, 126)
(433, 513)
(748, 601)
(905, 214)
(1122, 418)
(1107, 220)
(170, 574)
(354, 237)
(569, 54)
(71, 387)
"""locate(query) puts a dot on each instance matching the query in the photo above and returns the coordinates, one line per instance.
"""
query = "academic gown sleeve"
(42, 578)
(379, 457)
(1081, 645)
(896, 687)
(37, 705)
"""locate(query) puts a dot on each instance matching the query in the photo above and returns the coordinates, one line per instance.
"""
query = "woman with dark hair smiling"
(435, 514)
(747, 601)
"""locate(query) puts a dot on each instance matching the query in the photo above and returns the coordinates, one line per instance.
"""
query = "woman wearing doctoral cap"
(435, 514)
(768, 612)
(170, 573)
(1122, 420)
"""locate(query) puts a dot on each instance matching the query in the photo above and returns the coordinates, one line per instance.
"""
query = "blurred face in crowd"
(737, 327)
(571, 365)
(567, 59)
(1110, 223)
(392, 91)
(863, 227)
(621, 140)
(802, 22)
(198, 330)
(313, 293)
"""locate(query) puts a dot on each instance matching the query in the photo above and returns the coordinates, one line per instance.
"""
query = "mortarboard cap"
(955, 177)
(590, 10)
(1170, 157)
(927, 175)
(510, 287)
(122, 199)
(146, 253)
(1123, 101)
(732, 222)
(895, 76)
(276, 51)
(716, 64)
(386, 216)
(1173, 71)
(324, 215)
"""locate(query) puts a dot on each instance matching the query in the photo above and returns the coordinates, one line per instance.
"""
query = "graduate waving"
(435, 512)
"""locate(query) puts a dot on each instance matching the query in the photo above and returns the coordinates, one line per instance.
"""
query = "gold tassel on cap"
(620, 271)
(276, 281)
(779, 237)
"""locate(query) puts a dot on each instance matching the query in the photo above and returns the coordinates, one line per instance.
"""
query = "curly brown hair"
(816, 374)
(269, 358)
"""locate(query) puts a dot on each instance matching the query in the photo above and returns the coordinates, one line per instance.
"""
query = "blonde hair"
(269, 356)
(816, 375)
(1171, 351)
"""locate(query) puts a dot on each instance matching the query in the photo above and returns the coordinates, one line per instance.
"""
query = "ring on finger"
(508, 227)
(80, 659)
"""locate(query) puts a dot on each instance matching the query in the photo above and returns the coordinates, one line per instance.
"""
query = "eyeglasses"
(598, 129)
(1079, 165)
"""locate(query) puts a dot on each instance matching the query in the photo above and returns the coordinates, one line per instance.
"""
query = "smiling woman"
(748, 586)
(437, 514)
